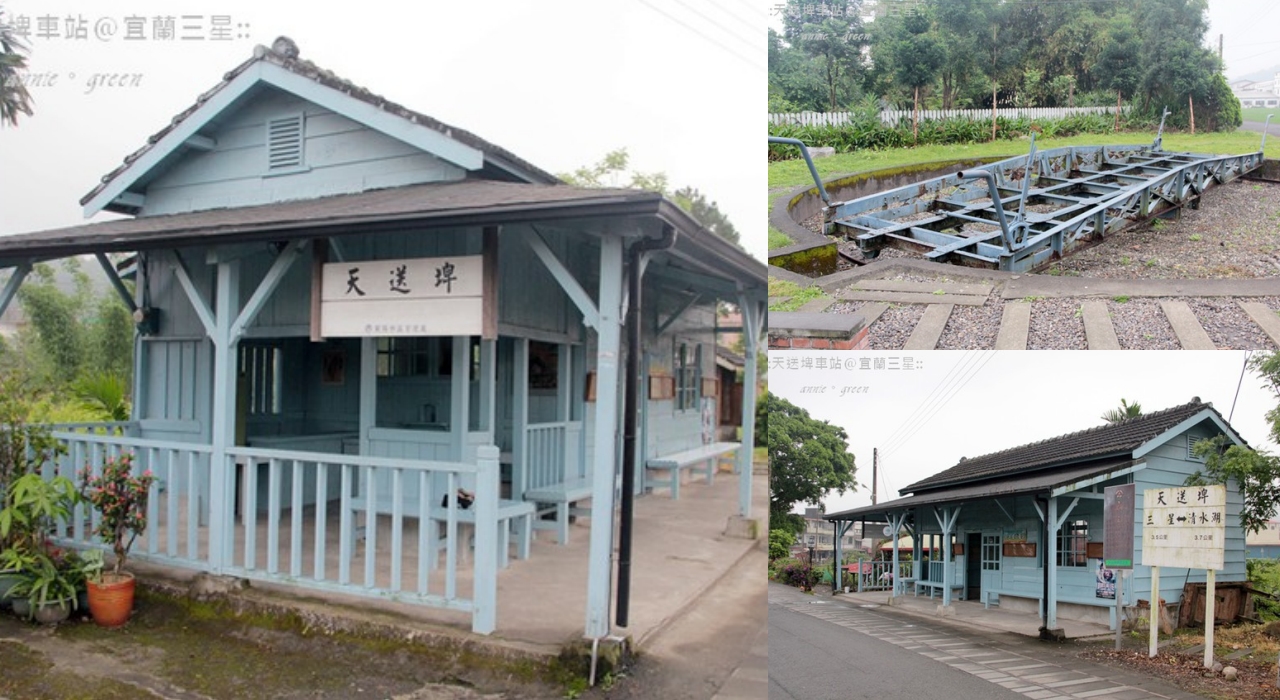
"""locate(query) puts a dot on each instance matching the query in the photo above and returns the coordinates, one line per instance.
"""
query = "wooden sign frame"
(1019, 549)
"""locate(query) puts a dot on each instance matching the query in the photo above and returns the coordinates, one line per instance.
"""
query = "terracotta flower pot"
(111, 600)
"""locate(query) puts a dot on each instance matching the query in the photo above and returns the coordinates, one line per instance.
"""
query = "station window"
(260, 365)
(1073, 544)
(688, 361)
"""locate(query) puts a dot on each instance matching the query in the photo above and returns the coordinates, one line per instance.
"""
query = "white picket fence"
(890, 117)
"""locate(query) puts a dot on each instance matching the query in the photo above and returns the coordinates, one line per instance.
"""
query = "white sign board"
(415, 297)
(1184, 526)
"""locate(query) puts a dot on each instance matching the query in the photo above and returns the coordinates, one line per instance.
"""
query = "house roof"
(284, 54)
(699, 255)
(1034, 482)
(1112, 439)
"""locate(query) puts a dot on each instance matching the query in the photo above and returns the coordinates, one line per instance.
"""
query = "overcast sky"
(559, 83)
(976, 403)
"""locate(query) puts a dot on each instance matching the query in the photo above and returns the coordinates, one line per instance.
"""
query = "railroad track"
(911, 305)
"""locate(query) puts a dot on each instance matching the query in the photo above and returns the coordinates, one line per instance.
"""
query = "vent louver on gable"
(284, 143)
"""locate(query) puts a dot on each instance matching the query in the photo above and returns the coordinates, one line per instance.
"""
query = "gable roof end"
(1112, 439)
(498, 163)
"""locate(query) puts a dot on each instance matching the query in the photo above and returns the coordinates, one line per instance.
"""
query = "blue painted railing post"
(605, 459)
(484, 616)
(752, 321)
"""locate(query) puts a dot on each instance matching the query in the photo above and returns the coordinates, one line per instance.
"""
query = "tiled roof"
(284, 53)
(1110, 439)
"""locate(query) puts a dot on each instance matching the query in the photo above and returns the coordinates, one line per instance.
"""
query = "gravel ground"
(1141, 325)
(1234, 233)
(973, 327)
(891, 330)
(1056, 325)
(1228, 325)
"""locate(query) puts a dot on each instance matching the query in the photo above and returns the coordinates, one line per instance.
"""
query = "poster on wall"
(708, 420)
(1106, 582)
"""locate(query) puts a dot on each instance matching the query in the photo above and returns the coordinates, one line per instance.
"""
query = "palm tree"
(1125, 412)
(14, 98)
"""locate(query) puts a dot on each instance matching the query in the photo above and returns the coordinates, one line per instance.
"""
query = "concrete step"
(913, 297)
(929, 329)
(1098, 330)
(1266, 319)
(1191, 334)
(1015, 325)
(964, 289)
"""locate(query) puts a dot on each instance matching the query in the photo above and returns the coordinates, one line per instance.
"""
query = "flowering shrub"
(799, 575)
(121, 498)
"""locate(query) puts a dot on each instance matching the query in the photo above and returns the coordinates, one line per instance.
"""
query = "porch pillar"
(1051, 565)
(221, 473)
(460, 402)
(841, 527)
(948, 522)
(917, 547)
(896, 522)
(520, 418)
(368, 392)
(608, 347)
(752, 317)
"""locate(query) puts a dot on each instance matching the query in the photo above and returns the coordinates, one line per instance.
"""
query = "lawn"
(1259, 114)
(792, 173)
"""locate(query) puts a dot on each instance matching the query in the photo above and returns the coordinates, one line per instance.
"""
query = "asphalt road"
(822, 647)
(1272, 130)
(812, 659)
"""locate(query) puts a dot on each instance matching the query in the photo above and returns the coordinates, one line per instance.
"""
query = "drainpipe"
(630, 416)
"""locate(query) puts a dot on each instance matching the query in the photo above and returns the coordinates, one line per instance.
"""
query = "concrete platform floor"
(680, 554)
(970, 613)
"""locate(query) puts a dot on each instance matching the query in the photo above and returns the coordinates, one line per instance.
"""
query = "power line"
(974, 373)
(736, 16)
(700, 33)
(891, 442)
(718, 25)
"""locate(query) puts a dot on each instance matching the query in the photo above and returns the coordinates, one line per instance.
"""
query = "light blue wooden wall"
(342, 156)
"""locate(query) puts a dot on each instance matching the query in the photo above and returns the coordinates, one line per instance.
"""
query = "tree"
(611, 171)
(780, 542)
(1119, 68)
(830, 32)
(1001, 50)
(1256, 472)
(918, 54)
(1125, 412)
(14, 98)
(807, 459)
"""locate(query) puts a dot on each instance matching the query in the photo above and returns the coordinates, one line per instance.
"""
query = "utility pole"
(1219, 47)
(875, 472)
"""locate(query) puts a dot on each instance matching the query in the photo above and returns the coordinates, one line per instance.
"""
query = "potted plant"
(32, 506)
(120, 497)
(48, 590)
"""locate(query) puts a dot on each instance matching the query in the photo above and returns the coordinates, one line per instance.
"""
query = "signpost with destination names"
(1184, 526)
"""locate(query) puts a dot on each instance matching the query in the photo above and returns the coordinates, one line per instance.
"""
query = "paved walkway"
(1038, 671)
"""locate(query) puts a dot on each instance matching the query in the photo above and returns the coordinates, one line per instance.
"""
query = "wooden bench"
(560, 498)
(704, 456)
(512, 515)
(936, 586)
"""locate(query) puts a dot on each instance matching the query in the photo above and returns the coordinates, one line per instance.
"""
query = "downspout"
(630, 414)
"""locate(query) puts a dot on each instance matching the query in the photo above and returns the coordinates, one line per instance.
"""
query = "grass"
(793, 173)
(1121, 299)
(1259, 114)
(778, 239)
(797, 296)
(1195, 238)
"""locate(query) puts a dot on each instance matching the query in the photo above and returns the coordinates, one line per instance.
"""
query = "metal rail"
(1066, 198)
